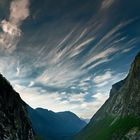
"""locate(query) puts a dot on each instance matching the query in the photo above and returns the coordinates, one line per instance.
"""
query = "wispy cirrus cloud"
(67, 57)
(102, 55)
(106, 78)
(106, 4)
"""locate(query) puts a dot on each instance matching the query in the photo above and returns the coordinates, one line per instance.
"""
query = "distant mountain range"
(55, 126)
(15, 117)
(119, 117)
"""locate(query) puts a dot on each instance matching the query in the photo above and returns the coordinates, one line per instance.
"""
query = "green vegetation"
(109, 128)
(38, 138)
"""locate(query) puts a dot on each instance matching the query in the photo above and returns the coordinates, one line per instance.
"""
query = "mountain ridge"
(120, 114)
(17, 119)
(60, 125)
(14, 121)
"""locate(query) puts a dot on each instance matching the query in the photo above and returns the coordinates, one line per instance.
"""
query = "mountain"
(86, 120)
(55, 126)
(119, 117)
(14, 122)
(15, 115)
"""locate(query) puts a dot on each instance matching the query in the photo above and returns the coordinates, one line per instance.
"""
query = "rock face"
(55, 126)
(14, 123)
(119, 117)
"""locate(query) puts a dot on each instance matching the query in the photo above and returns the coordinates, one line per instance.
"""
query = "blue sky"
(66, 55)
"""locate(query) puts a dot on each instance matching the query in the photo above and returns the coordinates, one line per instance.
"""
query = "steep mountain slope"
(55, 126)
(14, 123)
(119, 117)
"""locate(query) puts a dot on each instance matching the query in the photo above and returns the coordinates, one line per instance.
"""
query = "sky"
(66, 55)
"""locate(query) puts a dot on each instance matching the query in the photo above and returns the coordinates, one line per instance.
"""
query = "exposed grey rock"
(120, 114)
(14, 123)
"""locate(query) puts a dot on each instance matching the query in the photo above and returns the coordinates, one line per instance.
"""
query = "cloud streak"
(67, 57)
(106, 4)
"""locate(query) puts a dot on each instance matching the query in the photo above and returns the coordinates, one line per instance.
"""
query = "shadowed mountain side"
(55, 126)
(119, 117)
(14, 122)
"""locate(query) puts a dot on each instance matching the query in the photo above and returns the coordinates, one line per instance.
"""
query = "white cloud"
(18, 71)
(78, 47)
(102, 55)
(31, 84)
(10, 28)
(77, 103)
(103, 77)
(102, 84)
(8, 66)
(127, 50)
(90, 108)
(100, 97)
(98, 63)
(73, 87)
(60, 75)
(19, 11)
(106, 41)
(53, 101)
(77, 97)
(60, 59)
(106, 4)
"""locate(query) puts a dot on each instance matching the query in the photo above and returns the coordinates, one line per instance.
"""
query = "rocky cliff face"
(14, 123)
(119, 117)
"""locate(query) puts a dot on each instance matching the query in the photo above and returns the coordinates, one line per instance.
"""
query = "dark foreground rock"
(14, 122)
